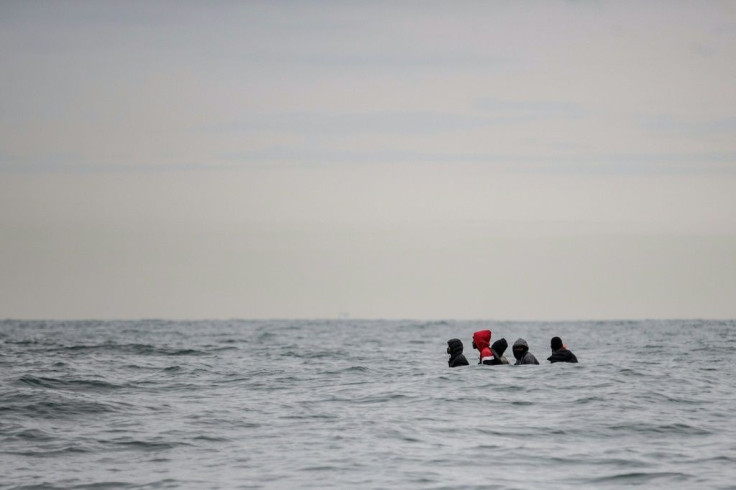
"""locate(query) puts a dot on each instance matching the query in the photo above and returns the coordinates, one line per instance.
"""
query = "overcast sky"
(500, 160)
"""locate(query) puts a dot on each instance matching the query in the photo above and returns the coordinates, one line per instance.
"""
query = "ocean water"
(363, 404)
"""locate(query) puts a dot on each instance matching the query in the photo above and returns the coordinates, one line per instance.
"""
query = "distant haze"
(505, 160)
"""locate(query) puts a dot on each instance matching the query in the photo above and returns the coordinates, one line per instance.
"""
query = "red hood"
(482, 339)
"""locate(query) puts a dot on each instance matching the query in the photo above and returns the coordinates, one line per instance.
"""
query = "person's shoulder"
(486, 356)
(555, 357)
(528, 358)
(562, 355)
(459, 361)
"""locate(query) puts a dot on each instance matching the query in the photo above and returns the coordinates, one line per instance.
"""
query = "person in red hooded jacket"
(482, 342)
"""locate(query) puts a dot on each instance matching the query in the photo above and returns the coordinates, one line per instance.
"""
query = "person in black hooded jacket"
(560, 352)
(455, 349)
(498, 348)
(522, 354)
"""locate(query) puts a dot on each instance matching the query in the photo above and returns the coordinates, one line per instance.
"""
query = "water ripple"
(371, 404)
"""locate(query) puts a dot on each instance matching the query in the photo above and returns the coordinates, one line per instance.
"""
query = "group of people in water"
(493, 354)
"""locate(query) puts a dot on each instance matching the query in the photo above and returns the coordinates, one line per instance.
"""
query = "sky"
(433, 160)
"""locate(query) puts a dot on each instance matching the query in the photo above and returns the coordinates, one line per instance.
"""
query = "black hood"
(520, 348)
(499, 347)
(555, 344)
(455, 349)
(455, 346)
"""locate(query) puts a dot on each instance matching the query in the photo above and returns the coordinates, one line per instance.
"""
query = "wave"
(138, 349)
(57, 409)
(669, 429)
(50, 453)
(36, 435)
(70, 384)
(638, 478)
(105, 485)
(149, 445)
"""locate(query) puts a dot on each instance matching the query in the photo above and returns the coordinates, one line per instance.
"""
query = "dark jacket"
(455, 349)
(522, 354)
(498, 348)
(562, 355)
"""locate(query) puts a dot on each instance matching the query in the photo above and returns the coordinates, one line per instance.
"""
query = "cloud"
(531, 109)
(688, 127)
(161, 85)
(408, 123)
(596, 163)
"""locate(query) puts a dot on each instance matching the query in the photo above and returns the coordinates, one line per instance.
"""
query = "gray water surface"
(363, 404)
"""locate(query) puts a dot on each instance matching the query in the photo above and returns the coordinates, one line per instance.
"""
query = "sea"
(288, 404)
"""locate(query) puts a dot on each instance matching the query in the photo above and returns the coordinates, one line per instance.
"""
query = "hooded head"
(454, 347)
(499, 347)
(482, 339)
(555, 344)
(520, 348)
